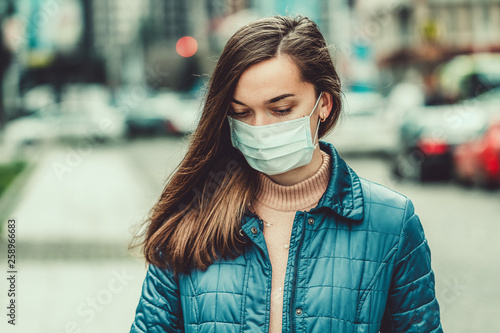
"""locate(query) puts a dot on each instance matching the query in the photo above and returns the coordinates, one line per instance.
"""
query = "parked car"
(364, 126)
(72, 120)
(146, 120)
(478, 161)
(467, 76)
(428, 136)
(166, 113)
(38, 97)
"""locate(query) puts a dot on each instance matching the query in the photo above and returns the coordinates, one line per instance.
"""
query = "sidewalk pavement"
(74, 221)
(95, 197)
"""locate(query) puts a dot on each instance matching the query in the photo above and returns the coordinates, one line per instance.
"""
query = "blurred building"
(133, 42)
(407, 35)
(115, 27)
(51, 43)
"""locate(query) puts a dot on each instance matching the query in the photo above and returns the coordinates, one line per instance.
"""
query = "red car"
(478, 162)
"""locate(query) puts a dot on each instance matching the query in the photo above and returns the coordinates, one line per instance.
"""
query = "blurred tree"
(5, 58)
(6, 10)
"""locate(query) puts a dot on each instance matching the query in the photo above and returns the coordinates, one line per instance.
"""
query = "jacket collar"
(343, 194)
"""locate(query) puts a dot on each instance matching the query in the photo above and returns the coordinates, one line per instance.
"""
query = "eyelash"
(280, 113)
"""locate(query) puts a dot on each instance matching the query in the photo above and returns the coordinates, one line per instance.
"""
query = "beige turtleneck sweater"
(276, 205)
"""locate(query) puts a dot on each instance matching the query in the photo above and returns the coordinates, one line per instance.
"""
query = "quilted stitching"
(364, 266)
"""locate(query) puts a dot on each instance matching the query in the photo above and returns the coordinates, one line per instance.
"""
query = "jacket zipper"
(292, 296)
(268, 309)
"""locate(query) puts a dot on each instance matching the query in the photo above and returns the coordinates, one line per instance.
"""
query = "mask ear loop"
(316, 105)
(317, 126)
(316, 135)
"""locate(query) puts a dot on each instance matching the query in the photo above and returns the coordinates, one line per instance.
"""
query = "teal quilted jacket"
(358, 262)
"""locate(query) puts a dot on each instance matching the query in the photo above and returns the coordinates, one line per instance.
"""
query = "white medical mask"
(275, 148)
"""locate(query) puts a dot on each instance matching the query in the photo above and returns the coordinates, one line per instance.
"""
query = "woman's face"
(272, 91)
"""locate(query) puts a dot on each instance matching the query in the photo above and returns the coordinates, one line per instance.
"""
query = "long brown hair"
(198, 216)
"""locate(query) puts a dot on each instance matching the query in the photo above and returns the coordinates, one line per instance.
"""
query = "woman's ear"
(326, 105)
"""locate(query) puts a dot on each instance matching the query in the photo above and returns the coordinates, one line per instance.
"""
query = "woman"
(263, 228)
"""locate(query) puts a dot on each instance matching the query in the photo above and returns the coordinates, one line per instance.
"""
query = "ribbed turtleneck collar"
(298, 196)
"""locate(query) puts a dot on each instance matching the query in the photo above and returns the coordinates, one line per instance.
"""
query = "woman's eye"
(282, 112)
(243, 114)
(238, 114)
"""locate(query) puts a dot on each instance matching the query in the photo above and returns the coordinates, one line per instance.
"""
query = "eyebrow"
(271, 101)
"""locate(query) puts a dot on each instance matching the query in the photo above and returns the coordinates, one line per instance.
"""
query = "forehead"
(268, 79)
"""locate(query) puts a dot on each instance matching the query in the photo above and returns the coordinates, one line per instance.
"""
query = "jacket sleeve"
(412, 304)
(159, 308)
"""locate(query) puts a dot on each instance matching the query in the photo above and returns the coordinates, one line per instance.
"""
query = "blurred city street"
(75, 274)
(73, 232)
(98, 99)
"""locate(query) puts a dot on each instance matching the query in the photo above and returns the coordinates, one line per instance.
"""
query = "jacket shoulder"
(385, 210)
(378, 194)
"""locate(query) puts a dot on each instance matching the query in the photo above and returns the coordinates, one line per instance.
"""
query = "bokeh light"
(186, 46)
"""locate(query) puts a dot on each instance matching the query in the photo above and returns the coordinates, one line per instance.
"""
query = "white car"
(70, 120)
(364, 125)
